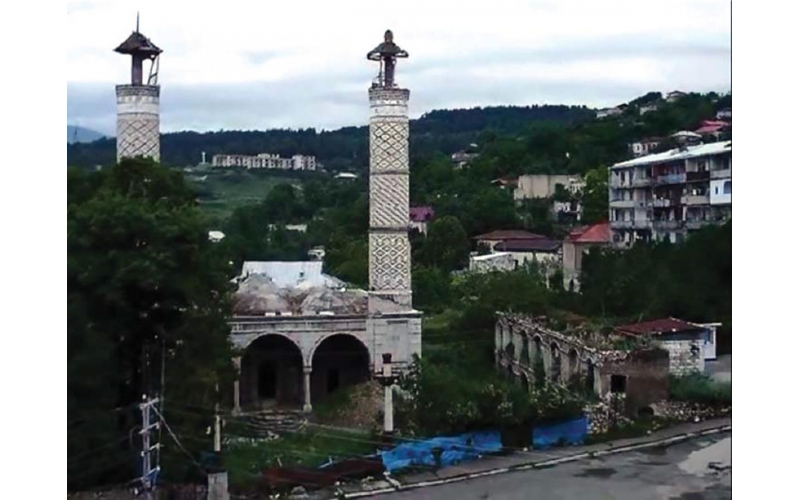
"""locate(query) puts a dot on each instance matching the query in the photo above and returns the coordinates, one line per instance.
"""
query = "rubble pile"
(603, 416)
(688, 412)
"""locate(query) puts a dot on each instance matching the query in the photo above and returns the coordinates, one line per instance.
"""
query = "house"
(420, 216)
(462, 158)
(501, 261)
(634, 373)
(674, 96)
(576, 245)
(713, 128)
(216, 236)
(607, 112)
(543, 185)
(546, 253)
(689, 344)
(725, 114)
(645, 146)
(492, 239)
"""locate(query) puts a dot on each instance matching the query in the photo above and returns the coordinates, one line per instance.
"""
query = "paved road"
(678, 472)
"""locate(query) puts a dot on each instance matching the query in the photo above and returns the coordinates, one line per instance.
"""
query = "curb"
(540, 464)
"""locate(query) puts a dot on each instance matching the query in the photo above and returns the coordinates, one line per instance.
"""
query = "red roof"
(598, 233)
(421, 214)
(659, 326)
(509, 234)
(530, 245)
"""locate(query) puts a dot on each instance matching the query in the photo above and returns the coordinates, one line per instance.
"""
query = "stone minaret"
(389, 248)
(137, 102)
(394, 324)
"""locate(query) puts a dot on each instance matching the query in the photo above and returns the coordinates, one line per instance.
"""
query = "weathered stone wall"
(138, 121)
(647, 378)
(685, 354)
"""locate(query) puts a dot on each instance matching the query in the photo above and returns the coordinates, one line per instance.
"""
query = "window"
(618, 384)
(726, 188)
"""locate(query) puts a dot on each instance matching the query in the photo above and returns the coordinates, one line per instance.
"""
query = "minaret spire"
(137, 21)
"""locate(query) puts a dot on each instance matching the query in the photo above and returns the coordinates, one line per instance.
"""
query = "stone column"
(138, 121)
(237, 361)
(307, 389)
(389, 248)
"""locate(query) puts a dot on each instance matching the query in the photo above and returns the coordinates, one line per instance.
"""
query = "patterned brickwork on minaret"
(389, 247)
(138, 121)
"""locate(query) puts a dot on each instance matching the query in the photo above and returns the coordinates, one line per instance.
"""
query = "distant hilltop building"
(266, 160)
(607, 112)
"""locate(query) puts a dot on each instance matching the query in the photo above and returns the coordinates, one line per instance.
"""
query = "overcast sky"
(239, 64)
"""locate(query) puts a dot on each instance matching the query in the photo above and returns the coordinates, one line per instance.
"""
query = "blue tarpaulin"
(454, 449)
(570, 432)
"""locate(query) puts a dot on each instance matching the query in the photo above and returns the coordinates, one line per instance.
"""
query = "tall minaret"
(394, 326)
(389, 248)
(137, 102)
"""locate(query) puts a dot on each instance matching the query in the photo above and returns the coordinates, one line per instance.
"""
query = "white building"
(644, 146)
(665, 195)
(266, 160)
(501, 261)
(605, 113)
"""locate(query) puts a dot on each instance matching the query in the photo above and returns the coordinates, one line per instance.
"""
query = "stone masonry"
(138, 121)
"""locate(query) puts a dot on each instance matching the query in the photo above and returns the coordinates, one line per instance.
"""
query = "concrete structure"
(689, 344)
(542, 186)
(644, 146)
(419, 218)
(216, 236)
(576, 245)
(138, 102)
(500, 261)
(725, 114)
(265, 160)
(462, 158)
(525, 345)
(317, 253)
(648, 108)
(664, 196)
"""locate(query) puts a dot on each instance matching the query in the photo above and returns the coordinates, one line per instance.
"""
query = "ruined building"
(300, 334)
(532, 354)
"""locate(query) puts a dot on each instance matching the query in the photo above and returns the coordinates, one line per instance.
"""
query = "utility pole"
(217, 430)
(148, 471)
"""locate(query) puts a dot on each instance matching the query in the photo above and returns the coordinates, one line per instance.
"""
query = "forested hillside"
(346, 148)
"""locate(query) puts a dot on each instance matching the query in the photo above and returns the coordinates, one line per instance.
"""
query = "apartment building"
(265, 160)
(664, 196)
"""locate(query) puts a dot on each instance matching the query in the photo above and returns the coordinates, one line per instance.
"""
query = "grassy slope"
(223, 192)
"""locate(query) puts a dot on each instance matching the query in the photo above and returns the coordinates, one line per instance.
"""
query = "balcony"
(661, 203)
(697, 176)
(695, 199)
(721, 174)
(621, 204)
(666, 225)
(671, 179)
(697, 223)
(643, 182)
(630, 224)
(617, 184)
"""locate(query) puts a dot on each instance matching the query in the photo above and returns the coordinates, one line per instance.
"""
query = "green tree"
(447, 245)
(594, 197)
(143, 283)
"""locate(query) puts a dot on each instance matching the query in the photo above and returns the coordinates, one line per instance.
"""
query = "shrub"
(699, 388)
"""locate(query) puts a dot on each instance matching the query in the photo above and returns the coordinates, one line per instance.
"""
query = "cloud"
(302, 64)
